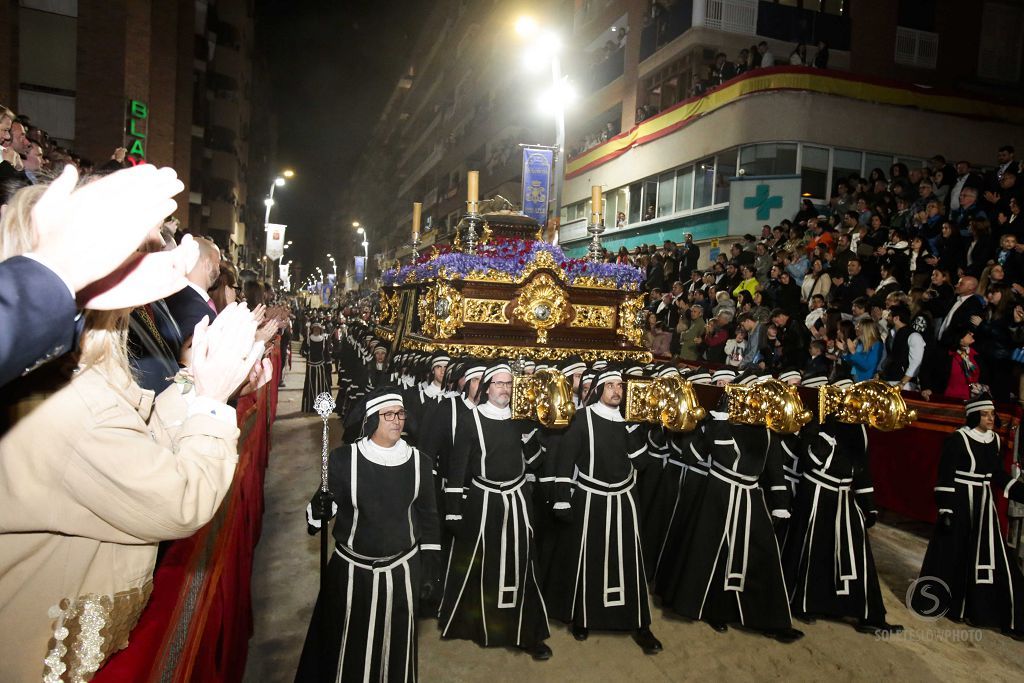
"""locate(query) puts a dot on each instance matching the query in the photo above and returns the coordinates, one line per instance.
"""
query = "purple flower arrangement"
(511, 257)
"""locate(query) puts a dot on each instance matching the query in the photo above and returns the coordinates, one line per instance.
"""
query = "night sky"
(333, 64)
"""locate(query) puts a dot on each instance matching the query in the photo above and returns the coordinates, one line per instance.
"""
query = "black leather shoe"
(540, 652)
(647, 642)
(721, 628)
(579, 632)
(804, 617)
(785, 635)
(878, 629)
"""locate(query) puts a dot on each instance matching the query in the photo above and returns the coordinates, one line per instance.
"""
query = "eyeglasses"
(393, 415)
(502, 385)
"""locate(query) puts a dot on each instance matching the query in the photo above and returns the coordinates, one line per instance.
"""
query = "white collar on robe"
(316, 337)
(431, 390)
(469, 404)
(607, 412)
(493, 412)
(398, 454)
(980, 437)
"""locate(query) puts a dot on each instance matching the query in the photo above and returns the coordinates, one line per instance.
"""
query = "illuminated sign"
(136, 128)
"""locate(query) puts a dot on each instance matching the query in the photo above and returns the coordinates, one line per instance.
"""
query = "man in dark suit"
(967, 305)
(690, 257)
(37, 317)
(192, 303)
(84, 235)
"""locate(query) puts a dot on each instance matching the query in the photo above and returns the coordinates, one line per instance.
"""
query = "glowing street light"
(545, 46)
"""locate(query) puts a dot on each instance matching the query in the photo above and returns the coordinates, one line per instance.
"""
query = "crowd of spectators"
(757, 56)
(914, 276)
(123, 348)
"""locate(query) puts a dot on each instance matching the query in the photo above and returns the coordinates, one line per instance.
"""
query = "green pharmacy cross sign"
(136, 128)
(763, 201)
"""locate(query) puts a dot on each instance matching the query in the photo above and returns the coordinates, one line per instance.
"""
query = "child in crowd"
(818, 364)
(736, 347)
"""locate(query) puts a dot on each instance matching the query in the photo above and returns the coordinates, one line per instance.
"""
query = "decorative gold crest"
(602, 317)
(440, 309)
(487, 311)
(668, 401)
(772, 403)
(542, 304)
(388, 307)
(872, 402)
(545, 397)
(631, 323)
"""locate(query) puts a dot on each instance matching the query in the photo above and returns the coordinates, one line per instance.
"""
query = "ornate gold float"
(540, 309)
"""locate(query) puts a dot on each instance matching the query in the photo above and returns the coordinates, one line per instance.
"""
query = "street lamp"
(546, 44)
(279, 181)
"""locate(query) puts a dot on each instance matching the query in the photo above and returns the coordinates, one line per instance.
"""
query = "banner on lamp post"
(275, 240)
(282, 272)
(360, 269)
(536, 182)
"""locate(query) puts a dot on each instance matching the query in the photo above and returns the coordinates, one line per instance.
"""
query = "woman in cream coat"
(95, 477)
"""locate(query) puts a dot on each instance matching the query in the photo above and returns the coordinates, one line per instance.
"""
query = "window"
(684, 189)
(916, 14)
(845, 163)
(650, 199)
(873, 161)
(814, 172)
(635, 202)
(1002, 34)
(768, 159)
(704, 183)
(666, 193)
(615, 201)
(726, 169)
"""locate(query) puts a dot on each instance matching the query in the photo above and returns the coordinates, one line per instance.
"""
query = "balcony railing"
(916, 48)
(666, 26)
(734, 16)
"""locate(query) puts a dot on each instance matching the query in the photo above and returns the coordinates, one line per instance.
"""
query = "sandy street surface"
(286, 580)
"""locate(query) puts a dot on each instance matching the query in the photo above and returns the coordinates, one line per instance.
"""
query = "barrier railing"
(197, 624)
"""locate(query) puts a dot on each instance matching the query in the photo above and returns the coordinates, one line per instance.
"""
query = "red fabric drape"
(197, 624)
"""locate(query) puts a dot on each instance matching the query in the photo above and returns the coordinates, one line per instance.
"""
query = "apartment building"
(905, 80)
(464, 103)
(169, 80)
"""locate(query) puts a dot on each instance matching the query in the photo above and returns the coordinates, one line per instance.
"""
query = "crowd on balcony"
(911, 275)
(123, 346)
(606, 132)
(757, 56)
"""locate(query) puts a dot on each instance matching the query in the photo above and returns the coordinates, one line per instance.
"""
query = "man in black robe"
(386, 553)
(968, 573)
(601, 583)
(491, 594)
(731, 572)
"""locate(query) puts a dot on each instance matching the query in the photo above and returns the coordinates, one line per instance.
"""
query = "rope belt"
(737, 523)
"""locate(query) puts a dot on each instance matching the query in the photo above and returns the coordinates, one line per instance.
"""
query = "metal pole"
(556, 218)
(266, 221)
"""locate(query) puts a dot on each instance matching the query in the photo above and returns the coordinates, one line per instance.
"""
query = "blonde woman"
(101, 471)
(864, 353)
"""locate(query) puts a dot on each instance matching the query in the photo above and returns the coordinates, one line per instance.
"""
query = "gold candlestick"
(417, 210)
(472, 190)
(595, 200)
